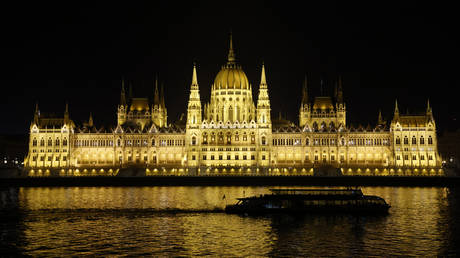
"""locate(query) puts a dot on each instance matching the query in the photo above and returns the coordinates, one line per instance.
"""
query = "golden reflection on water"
(135, 221)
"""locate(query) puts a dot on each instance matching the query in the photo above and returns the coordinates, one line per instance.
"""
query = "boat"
(350, 200)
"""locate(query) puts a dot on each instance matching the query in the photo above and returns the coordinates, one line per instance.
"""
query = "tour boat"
(309, 201)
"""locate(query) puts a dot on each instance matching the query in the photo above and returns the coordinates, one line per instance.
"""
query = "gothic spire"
(263, 81)
(123, 94)
(380, 119)
(396, 108)
(90, 120)
(156, 97)
(305, 91)
(231, 53)
(428, 107)
(66, 112)
(194, 78)
(37, 113)
(340, 90)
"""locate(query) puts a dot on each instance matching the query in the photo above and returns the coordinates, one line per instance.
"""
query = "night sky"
(76, 52)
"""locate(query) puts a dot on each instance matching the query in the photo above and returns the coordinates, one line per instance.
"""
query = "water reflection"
(185, 221)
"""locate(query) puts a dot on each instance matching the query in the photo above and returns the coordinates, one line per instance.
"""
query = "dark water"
(187, 221)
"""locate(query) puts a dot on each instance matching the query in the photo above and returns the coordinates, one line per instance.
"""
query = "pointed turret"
(231, 53)
(194, 102)
(194, 85)
(305, 91)
(37, 113)
(380, 119)
(339, 91)
(263, 102)
(90, 120)
(428, 108)
(66, 113)
(396, 113)
(156, 98)
(263, 81)
(123, 94)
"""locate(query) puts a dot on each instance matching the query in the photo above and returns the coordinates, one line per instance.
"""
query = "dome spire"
(231, 53)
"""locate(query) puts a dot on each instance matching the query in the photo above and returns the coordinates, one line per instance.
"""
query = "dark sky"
(76, 52)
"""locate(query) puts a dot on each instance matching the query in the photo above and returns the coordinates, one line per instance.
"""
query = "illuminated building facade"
(233, 134)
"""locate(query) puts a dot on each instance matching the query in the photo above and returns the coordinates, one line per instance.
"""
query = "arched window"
(153, 142)
(264, 140)
(414, 140)
(406, 140)
(343, 141)
(64, 142)
(422, 140)
(253, 138)
(42, 142)
(229, 138)
(57, 142)
(34, 142)
(398, 140)
(50, 142)
(193, 140)
(307, 141)
(430, 140)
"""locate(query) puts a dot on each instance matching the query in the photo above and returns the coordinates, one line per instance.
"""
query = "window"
(204, 157)
(64, 142)
(245, 157)
(34, 158)
(263, 157)
(398, 157)
(406, 157)
(220, 157)
(430, 157)
(57, 158)
(422, 140)
(398, 141)
(236, 157)
(193, 140)
(414, 157)
(212, 157)
(42, 142)
(263, 140)
(49, 158)
(253, 157)
(153, 142)
(64, 158)
(307, 141)
(406, 140)
(422, 157)
(193, 157)
(430, 140)
(229, 157)
(34, 142)
(42, 158)
(50, 142)
(414, 140)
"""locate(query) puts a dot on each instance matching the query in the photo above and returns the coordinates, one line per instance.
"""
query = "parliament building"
(233, 134)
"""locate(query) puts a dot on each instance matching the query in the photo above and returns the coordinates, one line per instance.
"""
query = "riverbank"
(232, 181)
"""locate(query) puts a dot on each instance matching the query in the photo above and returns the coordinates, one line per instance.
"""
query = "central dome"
(231, 76)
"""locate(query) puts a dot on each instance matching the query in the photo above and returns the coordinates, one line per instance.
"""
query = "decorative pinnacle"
(263, 80)
(194, 77)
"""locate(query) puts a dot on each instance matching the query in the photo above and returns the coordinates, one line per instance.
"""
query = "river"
(187, 221)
